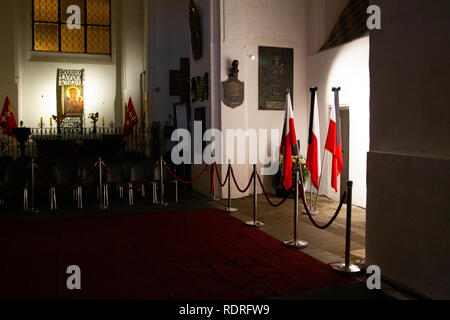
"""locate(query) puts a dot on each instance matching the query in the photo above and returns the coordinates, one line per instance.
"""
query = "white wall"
(246, 25)
(110, 80)
(408, 225)
(346, 66)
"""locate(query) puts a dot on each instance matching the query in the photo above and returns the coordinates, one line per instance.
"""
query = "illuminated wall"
(346, 66)
(110, 80)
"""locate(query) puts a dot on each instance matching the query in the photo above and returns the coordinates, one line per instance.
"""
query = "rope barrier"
(215, 172)
(135, 185)
(219, 178)
(302, 193)
(236, 184)
(288, 193)
(183, 181)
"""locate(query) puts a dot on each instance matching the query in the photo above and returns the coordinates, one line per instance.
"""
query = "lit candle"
(42, 121)
(51, 121)
(103, 120)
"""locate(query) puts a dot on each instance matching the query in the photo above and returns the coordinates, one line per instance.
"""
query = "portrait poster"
(276, 75)
(72, 100)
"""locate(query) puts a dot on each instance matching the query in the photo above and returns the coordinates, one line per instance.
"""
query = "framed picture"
(72, 100)
(276, 75)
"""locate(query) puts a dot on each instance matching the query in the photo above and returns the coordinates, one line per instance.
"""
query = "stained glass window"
(51, 31)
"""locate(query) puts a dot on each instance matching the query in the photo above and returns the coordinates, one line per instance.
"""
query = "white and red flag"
(313, 157)
(334, 142)
(288, 140)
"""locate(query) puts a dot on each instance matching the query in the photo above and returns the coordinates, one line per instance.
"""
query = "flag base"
(341, 267)
(296, 244)
(229, 210)
(255, 224)
(313, 213)
(33, 210)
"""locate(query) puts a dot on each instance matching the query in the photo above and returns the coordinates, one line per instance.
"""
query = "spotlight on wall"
(252, 57)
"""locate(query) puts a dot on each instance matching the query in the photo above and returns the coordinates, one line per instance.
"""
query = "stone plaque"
(233, 92)
(276, 67)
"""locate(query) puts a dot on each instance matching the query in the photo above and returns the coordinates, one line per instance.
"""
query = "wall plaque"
(276, 69)
(233, 89)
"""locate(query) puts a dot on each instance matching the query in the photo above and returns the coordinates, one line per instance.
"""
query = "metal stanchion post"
(101, 205)
(161, 182)
(229, 209)
(295, 243)
(213, 196)
(346, 267)
(311, 211)
(33, 209)
(255, 223)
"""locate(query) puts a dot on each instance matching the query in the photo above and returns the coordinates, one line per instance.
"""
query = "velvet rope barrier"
(288, 193)
(219, 179)
(136, 185)
(183, 181)
(302, 193)
(236, 184)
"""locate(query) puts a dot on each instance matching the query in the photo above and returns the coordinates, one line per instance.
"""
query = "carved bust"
(234, 71)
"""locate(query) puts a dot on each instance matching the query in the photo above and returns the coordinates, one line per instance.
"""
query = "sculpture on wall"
(233, 89)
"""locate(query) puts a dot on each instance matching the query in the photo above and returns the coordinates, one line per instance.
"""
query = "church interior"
(94, 92)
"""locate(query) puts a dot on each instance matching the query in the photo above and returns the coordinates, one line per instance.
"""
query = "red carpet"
(201, 254)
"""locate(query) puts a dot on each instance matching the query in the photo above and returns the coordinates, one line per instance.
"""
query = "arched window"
(51, 32)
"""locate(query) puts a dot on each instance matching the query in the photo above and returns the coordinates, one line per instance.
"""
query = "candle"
(51, 121)
(42, 121)
(103, 120)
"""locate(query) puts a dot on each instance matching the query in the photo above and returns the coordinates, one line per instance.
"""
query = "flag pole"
(320, 180)
(310, 138)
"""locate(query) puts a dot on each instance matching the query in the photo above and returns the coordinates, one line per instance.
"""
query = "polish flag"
(334, 144)
(313, 158)
(288, 140)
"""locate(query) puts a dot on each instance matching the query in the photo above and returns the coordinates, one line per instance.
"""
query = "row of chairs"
(78, 178)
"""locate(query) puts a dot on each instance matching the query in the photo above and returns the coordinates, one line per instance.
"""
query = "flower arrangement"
(297, 162)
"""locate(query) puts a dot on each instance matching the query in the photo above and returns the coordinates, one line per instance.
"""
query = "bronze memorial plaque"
(276, 67)
(233, 92)
(232, 88)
